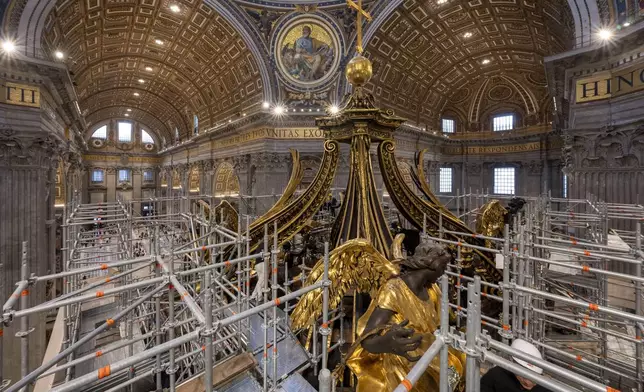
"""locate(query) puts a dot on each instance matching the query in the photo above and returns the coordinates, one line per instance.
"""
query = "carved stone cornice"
(41, 151)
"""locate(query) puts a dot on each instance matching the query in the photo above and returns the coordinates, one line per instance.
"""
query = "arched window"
(446, 180)
(503, 122)
(125, 131)
(504, 180)
(448, 125)
(146, 138)
(196, 128)
(100, 133)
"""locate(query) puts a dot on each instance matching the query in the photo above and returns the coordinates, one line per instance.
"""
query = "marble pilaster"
(27, 161)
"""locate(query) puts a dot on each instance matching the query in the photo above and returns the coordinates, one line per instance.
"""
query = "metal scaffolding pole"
(107, 324)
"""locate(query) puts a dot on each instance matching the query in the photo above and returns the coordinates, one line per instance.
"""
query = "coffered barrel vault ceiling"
(428, 57)
(165, 66)
(426, 53)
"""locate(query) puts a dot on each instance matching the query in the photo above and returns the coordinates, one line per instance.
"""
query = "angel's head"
(430, 256)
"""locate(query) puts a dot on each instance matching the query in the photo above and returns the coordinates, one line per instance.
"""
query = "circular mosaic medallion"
(307, 52)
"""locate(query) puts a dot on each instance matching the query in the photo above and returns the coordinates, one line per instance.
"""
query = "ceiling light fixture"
(175, 8)
(129, 110)
(149, 69)
(141, 81)
(626, 24)
(136, 94)
(266, 105)
(59, 55)
(467, 35)
(486, 61)
(334, 109)
(158, 41)
(605, 34)
(278, 110)
(441, 1)
(8, 46)
(127, 115)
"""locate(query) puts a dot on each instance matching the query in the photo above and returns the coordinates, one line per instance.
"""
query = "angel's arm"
(373, 343)
(398, 340)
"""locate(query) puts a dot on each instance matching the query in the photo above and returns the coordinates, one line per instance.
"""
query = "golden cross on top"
(361, 12)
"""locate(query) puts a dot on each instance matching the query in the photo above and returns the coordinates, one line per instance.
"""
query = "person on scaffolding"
(498, 379)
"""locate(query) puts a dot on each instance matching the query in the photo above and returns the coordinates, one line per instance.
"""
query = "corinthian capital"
(41, 151)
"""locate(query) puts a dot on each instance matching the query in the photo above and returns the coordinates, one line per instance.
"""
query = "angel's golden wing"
(491, 219)
(357, 265)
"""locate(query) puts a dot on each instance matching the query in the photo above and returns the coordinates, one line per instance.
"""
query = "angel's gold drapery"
(383, 372)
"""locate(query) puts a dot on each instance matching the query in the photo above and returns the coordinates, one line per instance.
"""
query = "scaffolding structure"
(571, 285)
(179, 306)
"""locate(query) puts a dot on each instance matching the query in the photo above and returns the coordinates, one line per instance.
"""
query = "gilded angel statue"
(399, 325)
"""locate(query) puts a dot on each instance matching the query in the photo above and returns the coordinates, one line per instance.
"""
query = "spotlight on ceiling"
(278, 110)
(59, 55)
(486, 61)
(175, 8)
(266, 105)
(127, 115)
(334, 109)
(141, 81)
(467, 35)
(441, 1)
(149, 69)
(605, 34)
(129, 110)
(8, 46)
(626, 24)
(244, 114)
(158, 41)
(136, 94)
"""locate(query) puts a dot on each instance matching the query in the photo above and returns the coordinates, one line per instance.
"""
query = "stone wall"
(603, 127)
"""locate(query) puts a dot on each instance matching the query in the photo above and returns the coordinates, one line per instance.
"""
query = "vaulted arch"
(201, 59)
(424, 52)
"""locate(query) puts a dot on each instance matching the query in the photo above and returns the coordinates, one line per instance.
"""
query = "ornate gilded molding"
(420, 212)
(295, 215)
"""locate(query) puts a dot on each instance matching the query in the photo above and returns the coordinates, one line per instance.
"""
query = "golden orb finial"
(359, 71)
